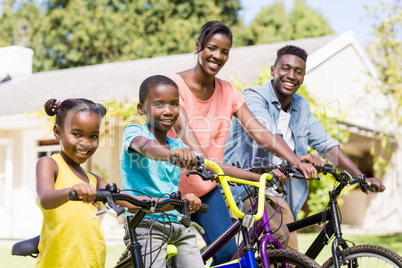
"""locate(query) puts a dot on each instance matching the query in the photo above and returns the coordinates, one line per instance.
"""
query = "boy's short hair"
(153, 82)
(292, 50)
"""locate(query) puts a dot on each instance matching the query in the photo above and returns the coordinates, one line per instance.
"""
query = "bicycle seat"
(27, 247)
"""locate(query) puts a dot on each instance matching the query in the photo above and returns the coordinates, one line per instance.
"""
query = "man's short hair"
(292, 50)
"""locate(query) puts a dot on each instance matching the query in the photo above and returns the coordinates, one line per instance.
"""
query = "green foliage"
(305, 22)
(126, 110)
(386, 54)
(65, 34)
(75, 33)
(273, 24)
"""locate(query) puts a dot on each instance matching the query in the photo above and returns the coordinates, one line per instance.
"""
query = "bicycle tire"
(369, 256)
(277, 257)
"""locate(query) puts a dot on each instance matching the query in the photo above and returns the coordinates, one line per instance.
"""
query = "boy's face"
(161, 107)
(288, 74)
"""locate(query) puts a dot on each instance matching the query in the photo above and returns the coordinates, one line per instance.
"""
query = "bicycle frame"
(245, 251)
(259, 227)
(332, 226)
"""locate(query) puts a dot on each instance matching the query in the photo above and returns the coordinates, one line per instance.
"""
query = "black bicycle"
(132, 256)
(343, 254)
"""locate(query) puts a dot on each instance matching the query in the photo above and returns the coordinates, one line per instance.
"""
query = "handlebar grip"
(174, 160)
(73, 196)
(203, 209)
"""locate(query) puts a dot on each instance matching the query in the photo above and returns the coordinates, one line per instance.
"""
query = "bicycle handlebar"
(224, 180)
(111, 193)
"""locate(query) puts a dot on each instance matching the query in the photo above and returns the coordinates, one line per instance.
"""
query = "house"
(336, 75)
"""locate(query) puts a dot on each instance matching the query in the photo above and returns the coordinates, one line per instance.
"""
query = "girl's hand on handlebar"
(307, 169)
(280, 176)
(183, 158)
(194, 202)
(86, 192)
(313, 159)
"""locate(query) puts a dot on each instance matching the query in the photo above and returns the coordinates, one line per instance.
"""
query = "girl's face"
(79, 137)
(215, 53)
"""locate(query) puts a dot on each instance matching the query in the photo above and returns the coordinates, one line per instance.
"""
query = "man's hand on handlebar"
(313, 159)
(306, 166)
(380, 187)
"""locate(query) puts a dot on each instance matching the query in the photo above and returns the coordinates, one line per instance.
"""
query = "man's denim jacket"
(307, 131)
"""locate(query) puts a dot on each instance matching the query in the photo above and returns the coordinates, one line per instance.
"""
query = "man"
(277, 106)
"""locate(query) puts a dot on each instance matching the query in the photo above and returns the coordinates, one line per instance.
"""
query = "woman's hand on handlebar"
(279, 176)
(194, 202)
(183, 158)
(86, 192)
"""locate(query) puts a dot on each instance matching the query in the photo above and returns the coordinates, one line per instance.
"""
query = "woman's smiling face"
(215, 53)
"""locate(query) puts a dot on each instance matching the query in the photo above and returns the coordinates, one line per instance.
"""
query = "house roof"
(121, 80)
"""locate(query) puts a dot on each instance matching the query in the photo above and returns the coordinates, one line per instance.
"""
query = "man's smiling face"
(288, 74)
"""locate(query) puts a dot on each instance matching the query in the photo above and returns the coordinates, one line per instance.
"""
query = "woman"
(207, 106)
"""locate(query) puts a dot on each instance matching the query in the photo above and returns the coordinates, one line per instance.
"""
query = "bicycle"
(259, 235)
(108, 196)
(342, 254)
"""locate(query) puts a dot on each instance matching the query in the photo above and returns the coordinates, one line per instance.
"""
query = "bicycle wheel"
(367, 256)
(279, 257)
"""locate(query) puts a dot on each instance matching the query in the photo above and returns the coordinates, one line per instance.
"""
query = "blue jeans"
(215, 222)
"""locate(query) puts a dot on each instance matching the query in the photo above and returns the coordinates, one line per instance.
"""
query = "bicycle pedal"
(248, 221)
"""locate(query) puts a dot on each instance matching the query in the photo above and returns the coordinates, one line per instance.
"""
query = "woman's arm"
(271, 143)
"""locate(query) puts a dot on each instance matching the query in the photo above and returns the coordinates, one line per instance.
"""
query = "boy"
(145, 167)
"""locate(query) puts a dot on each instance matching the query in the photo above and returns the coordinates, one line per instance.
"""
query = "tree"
(386, 54)
(305, 22)
(17, 27)
(84, 32)
(272, 24)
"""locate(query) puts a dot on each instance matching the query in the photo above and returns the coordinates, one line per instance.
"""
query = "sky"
(342, 15)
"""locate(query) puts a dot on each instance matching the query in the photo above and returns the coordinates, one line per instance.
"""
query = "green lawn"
(393, 242)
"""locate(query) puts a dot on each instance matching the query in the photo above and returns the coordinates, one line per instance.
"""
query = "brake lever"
(109, 210)
(204, 174)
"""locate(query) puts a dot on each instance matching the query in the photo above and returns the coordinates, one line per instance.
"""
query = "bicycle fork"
(338, 241)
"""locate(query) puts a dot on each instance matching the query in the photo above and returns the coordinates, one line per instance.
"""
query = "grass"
(393, 242)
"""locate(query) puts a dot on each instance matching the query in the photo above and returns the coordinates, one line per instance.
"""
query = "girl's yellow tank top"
(69, 236)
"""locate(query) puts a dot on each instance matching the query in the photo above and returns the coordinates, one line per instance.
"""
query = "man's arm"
(272, 143)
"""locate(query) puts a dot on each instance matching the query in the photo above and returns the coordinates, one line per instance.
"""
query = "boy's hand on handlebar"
(194, 202)
(280, 176)
(183, 158)
(86, 192)
(307, 169)
(313, 159)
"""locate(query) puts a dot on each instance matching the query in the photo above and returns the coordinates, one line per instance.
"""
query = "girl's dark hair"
(61, 108)
(292, 50)
(211, 28)
(153, 82)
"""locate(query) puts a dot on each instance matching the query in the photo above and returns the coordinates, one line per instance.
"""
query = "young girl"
(70, 237)
(208, 104)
